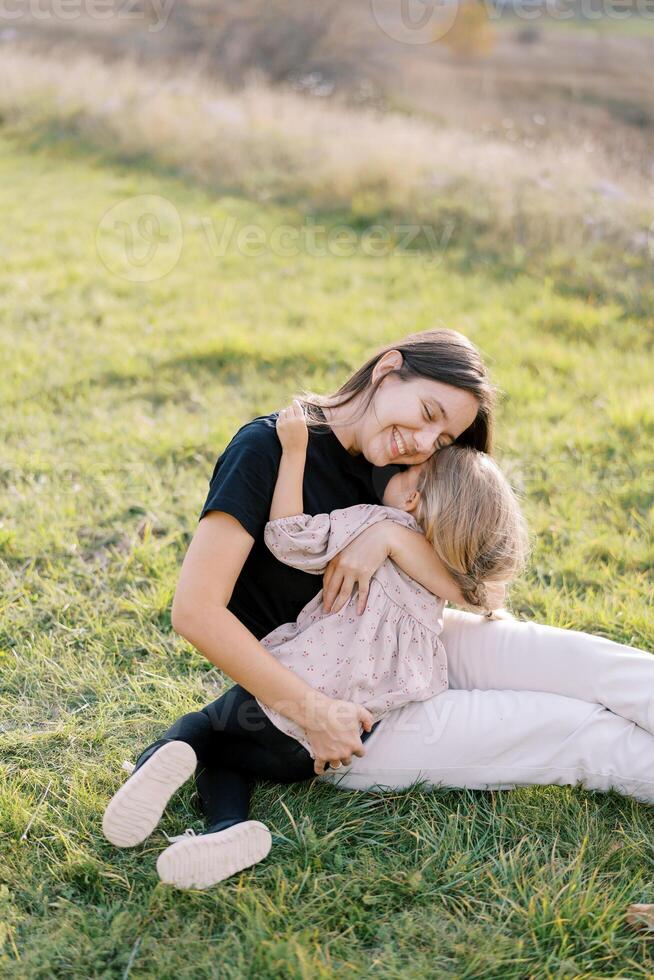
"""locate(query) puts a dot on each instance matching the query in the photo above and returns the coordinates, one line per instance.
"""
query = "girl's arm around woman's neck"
(287, 499)
(293, 435)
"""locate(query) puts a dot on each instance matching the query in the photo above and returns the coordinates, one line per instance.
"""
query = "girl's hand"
(355, 565)
(333, 731)
(292, 429)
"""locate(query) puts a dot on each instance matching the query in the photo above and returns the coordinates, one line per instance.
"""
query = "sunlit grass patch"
(117, 397)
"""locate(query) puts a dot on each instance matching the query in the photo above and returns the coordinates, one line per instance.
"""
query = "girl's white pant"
(527, 704)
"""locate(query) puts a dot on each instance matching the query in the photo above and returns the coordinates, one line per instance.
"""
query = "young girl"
(380, 660)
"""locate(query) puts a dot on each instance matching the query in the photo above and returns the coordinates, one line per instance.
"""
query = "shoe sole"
(200, 862)
(136, 809)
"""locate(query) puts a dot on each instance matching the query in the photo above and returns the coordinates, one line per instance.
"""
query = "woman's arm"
(294, 436)
(211, 567)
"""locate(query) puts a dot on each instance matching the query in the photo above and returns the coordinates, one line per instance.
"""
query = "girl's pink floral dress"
(382, 659)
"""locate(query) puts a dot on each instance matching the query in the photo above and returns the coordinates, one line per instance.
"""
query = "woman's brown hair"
(441, 355)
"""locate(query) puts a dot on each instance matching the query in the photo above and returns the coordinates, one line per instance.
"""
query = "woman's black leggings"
(236, 744)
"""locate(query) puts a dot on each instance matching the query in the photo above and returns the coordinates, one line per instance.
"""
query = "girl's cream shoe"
(200, 861)
(136, 809)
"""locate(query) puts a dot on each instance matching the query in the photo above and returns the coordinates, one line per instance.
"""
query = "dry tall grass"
(277, 144)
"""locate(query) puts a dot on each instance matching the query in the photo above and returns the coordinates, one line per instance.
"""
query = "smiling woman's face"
(408, 420)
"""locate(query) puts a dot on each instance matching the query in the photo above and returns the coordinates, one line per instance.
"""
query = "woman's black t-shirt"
(267, 592)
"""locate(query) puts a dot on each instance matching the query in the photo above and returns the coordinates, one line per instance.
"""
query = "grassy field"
(117, 396)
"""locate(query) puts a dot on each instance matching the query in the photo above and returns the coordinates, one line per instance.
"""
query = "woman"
(412, 398)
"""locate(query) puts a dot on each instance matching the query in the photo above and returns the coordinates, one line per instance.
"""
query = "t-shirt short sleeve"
(244, 477)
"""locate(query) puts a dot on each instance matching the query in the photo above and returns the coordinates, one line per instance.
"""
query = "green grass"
(117, 398)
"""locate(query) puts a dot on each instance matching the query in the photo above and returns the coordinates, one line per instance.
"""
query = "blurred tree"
(471, 34)
(282, 39)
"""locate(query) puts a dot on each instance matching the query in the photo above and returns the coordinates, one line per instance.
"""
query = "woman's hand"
(354, 566)
(332, 727)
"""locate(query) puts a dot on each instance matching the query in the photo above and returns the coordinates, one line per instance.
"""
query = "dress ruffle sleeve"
(309, 543)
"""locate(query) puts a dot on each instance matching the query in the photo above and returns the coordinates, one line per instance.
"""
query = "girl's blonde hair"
(472, 518)
(441, 355)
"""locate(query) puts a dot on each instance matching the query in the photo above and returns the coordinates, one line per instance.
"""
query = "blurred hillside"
(519, 76)
(524, 142)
